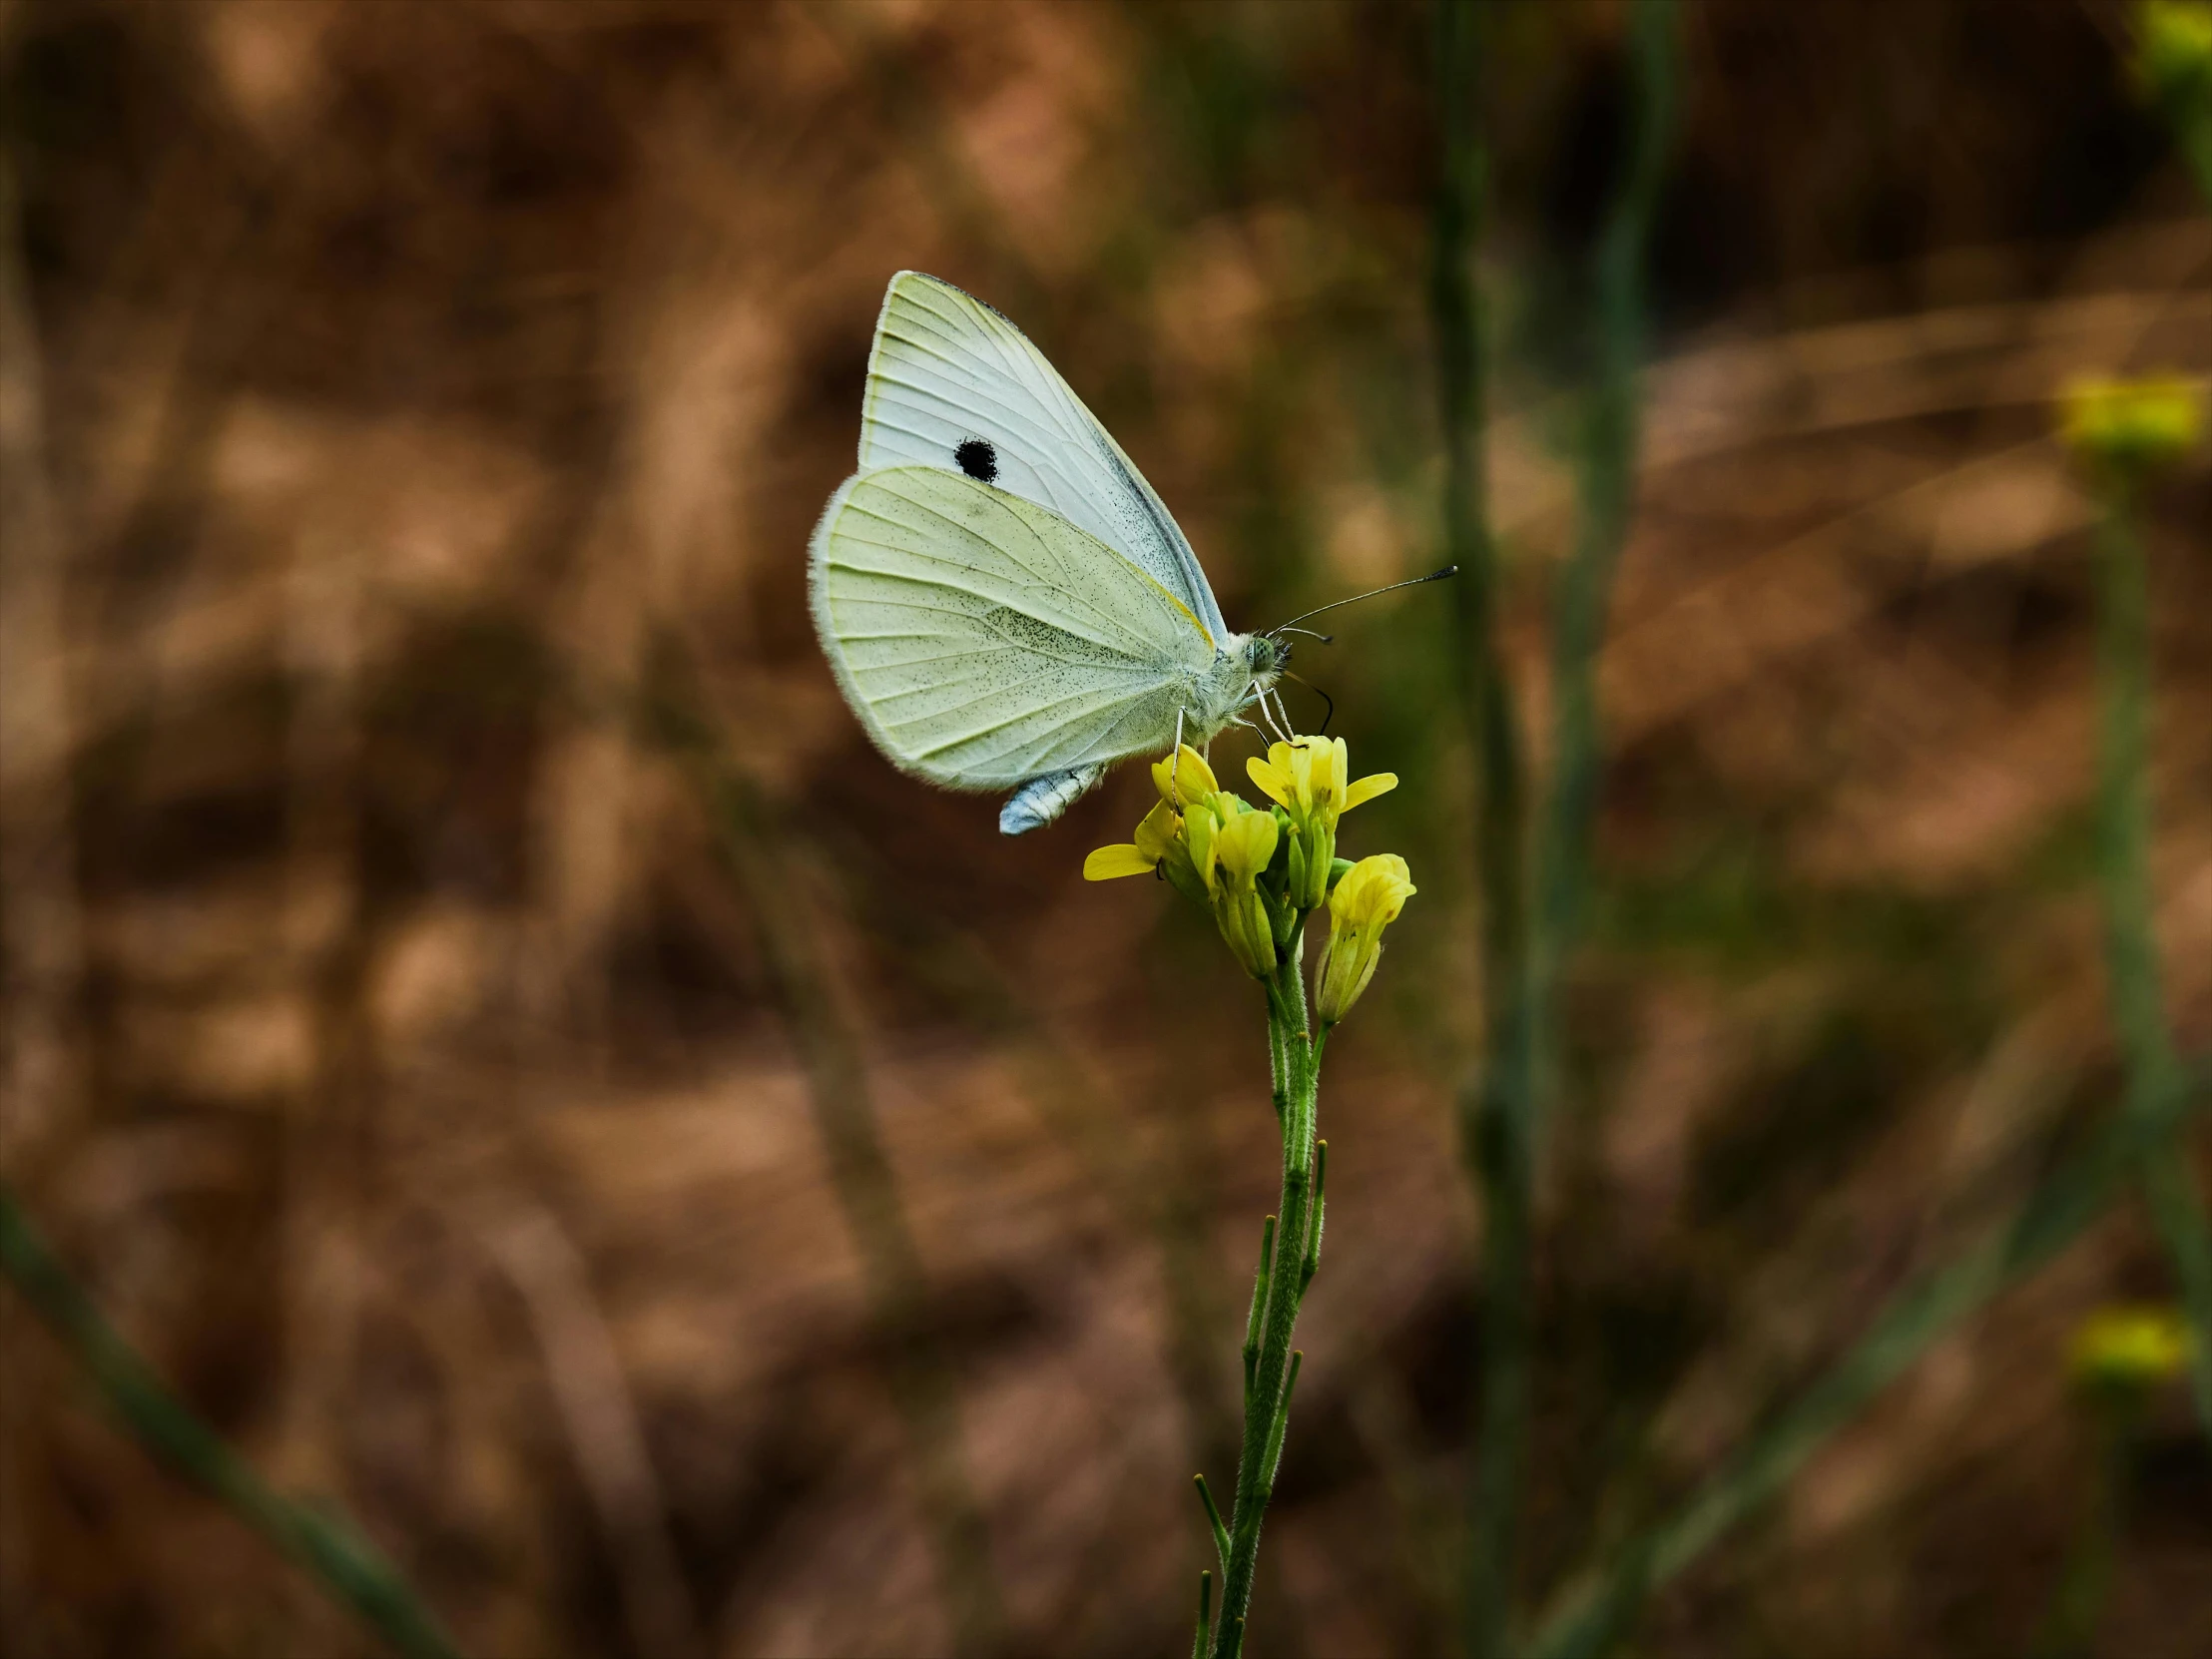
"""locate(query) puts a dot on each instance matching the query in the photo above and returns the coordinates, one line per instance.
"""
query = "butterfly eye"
(978, 459)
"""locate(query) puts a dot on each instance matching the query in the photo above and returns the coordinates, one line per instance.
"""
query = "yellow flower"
(1220, 851)
(1309, 778)
(2129, 1348)
(1156, 839)
(1237, 856)
(1366, 900)
(2174, 53)
(1243, 846)
(2131, 427)
(1192, 778)
(1214, 851)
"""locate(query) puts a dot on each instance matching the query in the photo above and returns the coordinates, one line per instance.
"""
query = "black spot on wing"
(978, 459)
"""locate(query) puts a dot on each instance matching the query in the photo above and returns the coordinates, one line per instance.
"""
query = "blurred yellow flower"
(2129, 1348)
(2131, 427)
(1365, 901)
(2173, 53)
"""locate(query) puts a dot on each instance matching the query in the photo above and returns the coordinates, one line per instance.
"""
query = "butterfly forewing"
(953, 384)
(984, 639)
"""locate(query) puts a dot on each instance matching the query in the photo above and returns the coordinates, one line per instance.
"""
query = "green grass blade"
(321, 1545)
(1587, 1617)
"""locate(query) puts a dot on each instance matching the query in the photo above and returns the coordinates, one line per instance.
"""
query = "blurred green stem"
(1496, 1106)
(1523, 957)
(2086, 1581)
(2193, 134)
(1607, 489)
(1289, 1254)
(2143, 1144)
(1586, 1618)
(2155, 1073)
(319, 1543)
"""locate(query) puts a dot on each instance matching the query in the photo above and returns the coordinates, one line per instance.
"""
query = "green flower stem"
(1290, 1243)
(1589, 1615)
(320, 1544)
(2155, 1079)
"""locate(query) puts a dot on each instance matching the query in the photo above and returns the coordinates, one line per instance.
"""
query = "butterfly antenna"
(1414, 582)
(1326, 639)
(1318, 692)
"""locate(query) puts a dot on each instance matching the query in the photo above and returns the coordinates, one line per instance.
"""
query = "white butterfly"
(1005, 601)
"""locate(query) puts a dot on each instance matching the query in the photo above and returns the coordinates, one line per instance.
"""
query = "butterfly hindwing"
(951, 384)
(984, 639)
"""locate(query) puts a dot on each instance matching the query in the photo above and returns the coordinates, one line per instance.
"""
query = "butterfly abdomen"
(1041, 800)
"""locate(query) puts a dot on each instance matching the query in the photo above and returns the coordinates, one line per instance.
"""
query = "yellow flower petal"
(1380, 782)
(1373, 890)
(1273, 782)
(1109, 862)
(1156, 834)
(1331, 771)
(1192, 778)
(1199, 830)
(1245, 844)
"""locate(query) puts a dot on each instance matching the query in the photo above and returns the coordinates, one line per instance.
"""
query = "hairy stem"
(1281, 1288)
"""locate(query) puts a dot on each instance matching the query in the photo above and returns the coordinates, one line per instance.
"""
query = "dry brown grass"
(392, 1055)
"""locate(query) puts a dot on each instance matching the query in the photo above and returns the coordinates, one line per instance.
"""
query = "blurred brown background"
(420, 773)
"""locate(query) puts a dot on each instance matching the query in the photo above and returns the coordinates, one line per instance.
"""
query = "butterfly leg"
(1175, 768)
